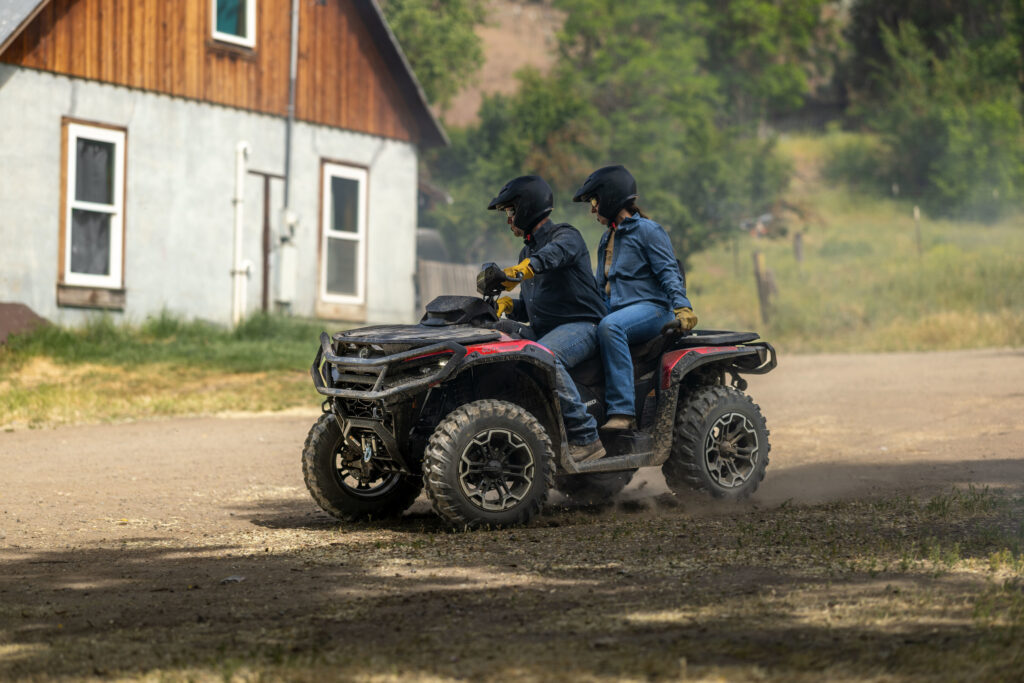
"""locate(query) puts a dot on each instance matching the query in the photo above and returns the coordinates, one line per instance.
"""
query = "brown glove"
(522, 270)
(687, 318)
(505, 305)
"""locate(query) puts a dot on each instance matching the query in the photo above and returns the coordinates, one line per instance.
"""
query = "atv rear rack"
(374, 371)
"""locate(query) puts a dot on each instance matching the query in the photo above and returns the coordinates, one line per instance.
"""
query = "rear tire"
(594, 488)
(334, 488)
(488, 463)
(719, 444)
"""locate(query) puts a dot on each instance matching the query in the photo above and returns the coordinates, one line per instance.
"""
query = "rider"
(639, 275)
(558, 298)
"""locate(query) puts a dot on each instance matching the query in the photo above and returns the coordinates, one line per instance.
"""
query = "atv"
(469, 412)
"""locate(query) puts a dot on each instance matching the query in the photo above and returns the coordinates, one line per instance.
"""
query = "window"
(234, 21)
(343, 245)
(93, 222)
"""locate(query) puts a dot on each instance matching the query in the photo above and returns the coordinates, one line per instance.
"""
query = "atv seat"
(650, 350)
(716, 338)
(591, 371)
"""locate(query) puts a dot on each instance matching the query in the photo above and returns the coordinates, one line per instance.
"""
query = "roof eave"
(25, 20)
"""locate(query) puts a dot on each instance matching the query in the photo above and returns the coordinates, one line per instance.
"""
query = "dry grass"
(44, 393)
(863, 285)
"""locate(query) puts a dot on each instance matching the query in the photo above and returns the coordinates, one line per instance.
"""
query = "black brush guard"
(375, 371)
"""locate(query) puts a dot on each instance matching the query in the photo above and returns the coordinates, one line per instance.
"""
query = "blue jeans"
(630, 325)
(572, 344)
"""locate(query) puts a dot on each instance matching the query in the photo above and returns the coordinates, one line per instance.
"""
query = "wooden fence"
(434, 278)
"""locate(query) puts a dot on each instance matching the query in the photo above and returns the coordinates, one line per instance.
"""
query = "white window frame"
(335, 170)
(114, 279)
(249, 39)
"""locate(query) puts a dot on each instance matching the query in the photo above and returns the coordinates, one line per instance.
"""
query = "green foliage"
(437, 37)
(765, 53)
(863, 162)
(673, 90)
(940, 82)
(956, 133)
(546, 127)
(981, 23)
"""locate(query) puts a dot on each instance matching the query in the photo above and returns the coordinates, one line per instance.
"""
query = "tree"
(439, 40)
(765, 52)
(979, 23)
(953, 123)
(673, 89)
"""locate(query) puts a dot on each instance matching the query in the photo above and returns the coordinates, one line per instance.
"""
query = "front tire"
(488, 463)
(719, 444)
(335, 485)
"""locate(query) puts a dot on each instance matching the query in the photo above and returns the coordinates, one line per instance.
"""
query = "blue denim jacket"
(643, 266)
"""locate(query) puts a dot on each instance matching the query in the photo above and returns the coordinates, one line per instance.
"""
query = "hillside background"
(808, 132)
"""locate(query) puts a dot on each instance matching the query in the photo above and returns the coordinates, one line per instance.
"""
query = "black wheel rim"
(496, 470)
(731, 450)
(351, 479)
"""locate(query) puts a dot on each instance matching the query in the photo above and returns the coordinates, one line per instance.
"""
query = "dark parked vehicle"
(470, 413)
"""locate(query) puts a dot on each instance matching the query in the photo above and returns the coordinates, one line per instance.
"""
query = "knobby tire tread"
(441, 454)
(320, 436)
(685, 465)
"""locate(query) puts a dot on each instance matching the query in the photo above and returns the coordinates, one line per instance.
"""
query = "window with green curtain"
(231, 17)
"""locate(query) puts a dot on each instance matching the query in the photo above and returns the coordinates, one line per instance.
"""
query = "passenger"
(558, 298)
(640, 278)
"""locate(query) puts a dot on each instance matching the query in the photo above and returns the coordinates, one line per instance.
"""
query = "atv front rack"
(374, 372)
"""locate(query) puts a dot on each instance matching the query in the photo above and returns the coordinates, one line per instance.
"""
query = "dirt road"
(112, 536)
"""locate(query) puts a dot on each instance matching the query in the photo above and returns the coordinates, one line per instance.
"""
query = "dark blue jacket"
(643, 267)
(562, 289)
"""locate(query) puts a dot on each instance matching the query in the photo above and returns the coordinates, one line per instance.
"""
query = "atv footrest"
(618, 462)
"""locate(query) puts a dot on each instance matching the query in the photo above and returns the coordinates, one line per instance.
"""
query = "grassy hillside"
(862, 285)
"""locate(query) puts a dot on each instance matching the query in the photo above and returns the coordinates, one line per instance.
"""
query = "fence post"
(735, 257)
(764, 286)
(917, 229)
(798, 248)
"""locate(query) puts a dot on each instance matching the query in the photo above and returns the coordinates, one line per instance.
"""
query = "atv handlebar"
(490, 281)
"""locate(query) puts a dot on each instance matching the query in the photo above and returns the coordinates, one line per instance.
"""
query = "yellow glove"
(505, 305)
(687, 318)
(522, 270)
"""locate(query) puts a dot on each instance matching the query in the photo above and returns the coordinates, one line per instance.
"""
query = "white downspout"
(239, 271)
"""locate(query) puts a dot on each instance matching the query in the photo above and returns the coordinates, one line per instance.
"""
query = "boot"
(586, 452)
(619, 423)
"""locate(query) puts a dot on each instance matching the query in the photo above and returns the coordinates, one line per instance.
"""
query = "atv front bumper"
(385, 378)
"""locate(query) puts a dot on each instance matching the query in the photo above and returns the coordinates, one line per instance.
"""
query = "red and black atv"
(470, 413)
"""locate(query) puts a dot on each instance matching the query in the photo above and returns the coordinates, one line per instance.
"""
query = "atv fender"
(524, 351)
(756, 358)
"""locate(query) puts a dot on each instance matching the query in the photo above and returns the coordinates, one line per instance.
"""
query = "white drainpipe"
(240, 270)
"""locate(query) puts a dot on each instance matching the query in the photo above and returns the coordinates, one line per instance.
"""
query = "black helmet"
(614, 188)
(530, 198)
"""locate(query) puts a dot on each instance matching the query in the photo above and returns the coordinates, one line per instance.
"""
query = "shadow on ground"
(647, 590)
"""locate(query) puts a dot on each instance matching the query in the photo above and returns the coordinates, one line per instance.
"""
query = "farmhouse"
(210, 158)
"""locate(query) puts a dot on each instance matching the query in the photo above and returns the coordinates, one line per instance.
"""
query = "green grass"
(261, 343)
(863, 285)
(165, 366)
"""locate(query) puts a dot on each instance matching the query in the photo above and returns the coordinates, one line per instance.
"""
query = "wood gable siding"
(166, 46)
